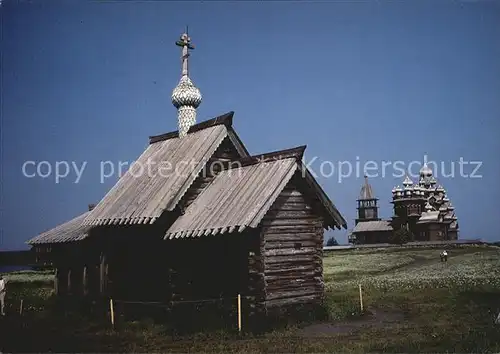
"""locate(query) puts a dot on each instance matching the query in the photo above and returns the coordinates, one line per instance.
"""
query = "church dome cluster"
(422, 208)
(427, 191)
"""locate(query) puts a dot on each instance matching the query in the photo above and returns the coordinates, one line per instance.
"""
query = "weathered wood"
(290, 214)
(291, 229)
(293, 233)
(85, 281)
(102, 274)
(294, 300)
(69, 281)
(291, 251)
(302, 242)
(290, 192)
(224, 154)
(285, 266)
(291, 222)
(293, 258)
(56, 282)
(291, 206)
(296, 276)
(292, 293)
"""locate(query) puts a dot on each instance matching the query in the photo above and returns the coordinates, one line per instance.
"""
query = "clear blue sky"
(381, 81)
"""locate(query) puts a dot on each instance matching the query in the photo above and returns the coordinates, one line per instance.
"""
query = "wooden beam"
(69, 281)
(102, 274)
(56, 282)
(85, 281)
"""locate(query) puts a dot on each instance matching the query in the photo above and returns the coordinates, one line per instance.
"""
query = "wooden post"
(239, 313)
(112, 313)
(85, 281)
(56, 282)
(361, 297)
(21, 307)
(69, 281)
(102, 273)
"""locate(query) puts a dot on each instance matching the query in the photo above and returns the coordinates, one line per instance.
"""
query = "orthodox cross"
(185, 43)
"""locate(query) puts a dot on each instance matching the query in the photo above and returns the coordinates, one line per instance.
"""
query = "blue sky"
(355, 81)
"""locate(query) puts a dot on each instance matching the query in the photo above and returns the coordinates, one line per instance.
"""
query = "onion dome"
(186, 94)
(425, 170)
(398, 190)
(407, 182)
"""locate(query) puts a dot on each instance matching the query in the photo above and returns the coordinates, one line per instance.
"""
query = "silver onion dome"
(425, 171)
(186, 94)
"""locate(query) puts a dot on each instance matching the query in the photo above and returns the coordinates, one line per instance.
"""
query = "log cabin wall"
(292, 234)
(256, 289)
(209, 267)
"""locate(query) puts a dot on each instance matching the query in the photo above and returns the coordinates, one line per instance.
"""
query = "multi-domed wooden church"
(208, 221)
(422, 208)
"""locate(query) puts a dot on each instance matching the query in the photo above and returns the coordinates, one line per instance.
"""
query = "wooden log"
(290, 251)
(69, 281)
(293, 258)
(102, 274)
(290, 199)
(291, 276)
(282, 270)
(291, 206)
(286, 193)
(56, 282)
(284, 290)
(294, 300)
(290, 237)
(291, 222)
(291, 294)
(280, 283)
(305, 243)
(290, 214)
(85, 281)
(278, 268)
(289, 229)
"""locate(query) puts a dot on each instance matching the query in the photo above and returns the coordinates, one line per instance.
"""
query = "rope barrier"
(180, 301)
(239, 312)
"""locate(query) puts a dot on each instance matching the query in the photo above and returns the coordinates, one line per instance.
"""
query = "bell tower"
(367, 204)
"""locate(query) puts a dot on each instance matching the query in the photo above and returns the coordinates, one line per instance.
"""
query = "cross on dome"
(186, 97)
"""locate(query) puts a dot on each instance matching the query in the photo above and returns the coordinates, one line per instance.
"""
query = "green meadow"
(411, 303)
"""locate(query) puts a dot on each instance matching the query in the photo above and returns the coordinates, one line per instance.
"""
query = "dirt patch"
(373, 318)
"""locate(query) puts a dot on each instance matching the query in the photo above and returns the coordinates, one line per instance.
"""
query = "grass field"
(412, 302)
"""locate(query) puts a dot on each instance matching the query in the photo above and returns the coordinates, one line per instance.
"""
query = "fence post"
(21, 307)
(361, 298)
(239, 313)
(112, 313)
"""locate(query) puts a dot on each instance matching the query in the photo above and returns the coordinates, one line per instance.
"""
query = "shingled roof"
(72, 230)
(240, 197)
(372, 226)
(141, 198)
(366, 192)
